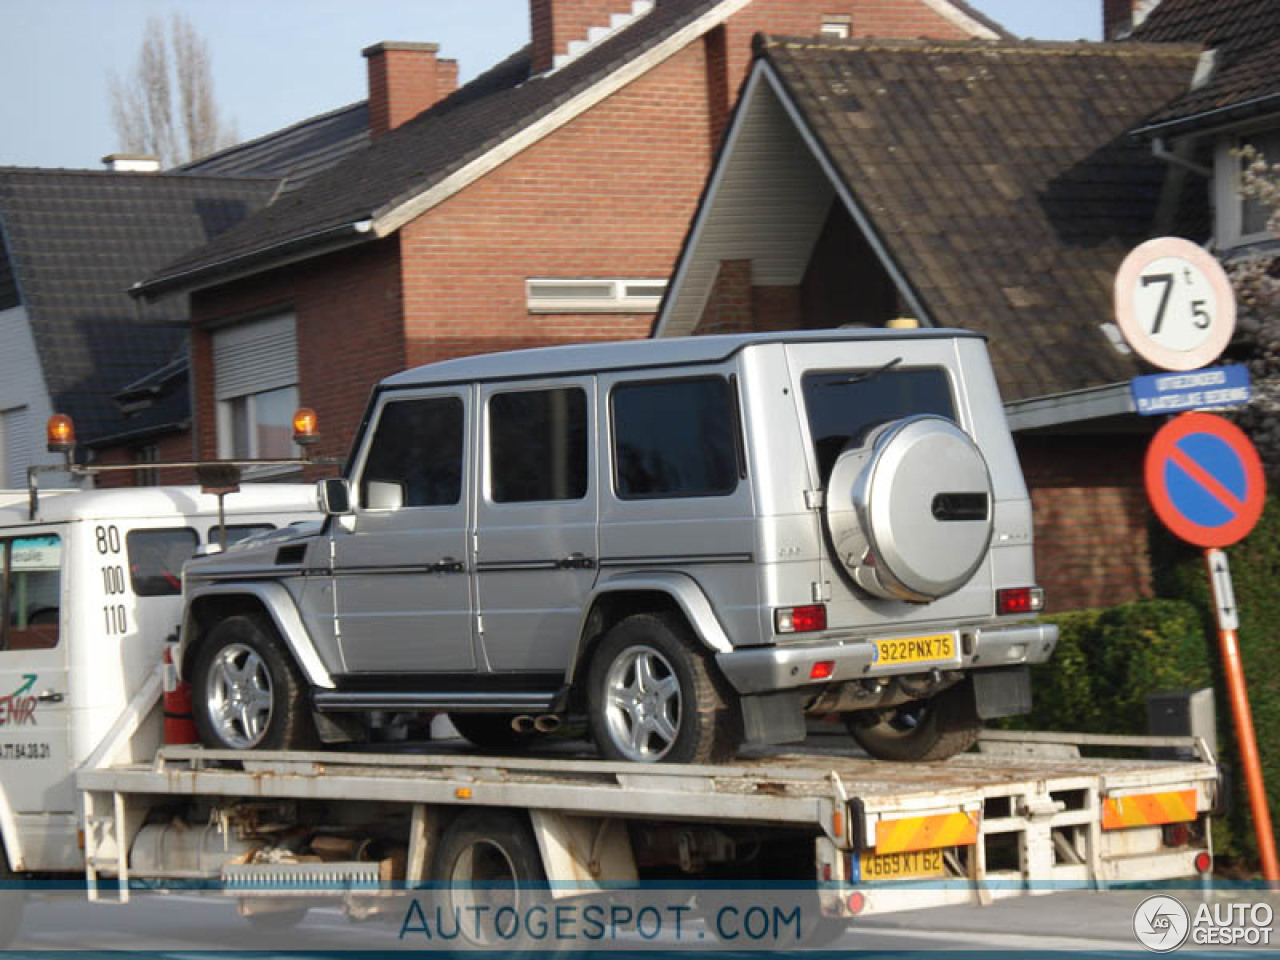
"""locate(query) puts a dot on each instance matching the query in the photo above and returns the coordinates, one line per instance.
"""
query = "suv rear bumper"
(755, 670)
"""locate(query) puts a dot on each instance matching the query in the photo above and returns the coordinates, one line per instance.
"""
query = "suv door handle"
(50, 696)
(576, 561)
(449, 565)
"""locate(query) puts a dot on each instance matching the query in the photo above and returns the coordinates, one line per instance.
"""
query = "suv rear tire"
(246, 692)
(653, 697)
(922, 730)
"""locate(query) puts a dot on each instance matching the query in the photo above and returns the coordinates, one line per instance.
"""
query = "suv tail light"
(1020, 600)
(800, 619)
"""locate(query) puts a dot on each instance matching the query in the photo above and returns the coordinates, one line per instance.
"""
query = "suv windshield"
(844, 406)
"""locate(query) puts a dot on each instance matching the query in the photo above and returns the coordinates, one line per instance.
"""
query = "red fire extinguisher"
(179, 728)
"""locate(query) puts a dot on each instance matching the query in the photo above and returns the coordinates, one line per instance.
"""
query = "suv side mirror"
(334, 494)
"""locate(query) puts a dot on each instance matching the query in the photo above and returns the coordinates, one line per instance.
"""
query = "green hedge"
(1109, 661)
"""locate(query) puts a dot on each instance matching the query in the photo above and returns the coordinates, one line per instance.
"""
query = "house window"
(146, 476)
(600, 295)
(1242, 220)
(836, 25)
(256, 383)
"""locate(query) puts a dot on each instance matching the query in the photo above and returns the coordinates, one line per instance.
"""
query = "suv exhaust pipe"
(523, 723)
(547, 723)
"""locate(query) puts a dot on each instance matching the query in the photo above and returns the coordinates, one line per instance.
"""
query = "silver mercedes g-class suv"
(695, 543)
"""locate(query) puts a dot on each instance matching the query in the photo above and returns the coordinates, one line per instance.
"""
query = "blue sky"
(279, 61)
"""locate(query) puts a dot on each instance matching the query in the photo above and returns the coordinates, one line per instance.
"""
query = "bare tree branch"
(167, 106)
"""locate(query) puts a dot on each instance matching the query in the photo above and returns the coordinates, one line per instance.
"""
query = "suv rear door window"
(844, 406)
(418, 448)
(156, 558)
(675, 438)
(538, 445)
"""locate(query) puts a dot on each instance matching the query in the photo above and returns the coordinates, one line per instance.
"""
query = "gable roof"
(1245, 80)
(295, 153)
(996, 181)
(74, 240)
(417, 165)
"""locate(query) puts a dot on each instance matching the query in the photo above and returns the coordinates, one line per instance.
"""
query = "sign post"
(1205, 481)
(1176, 309)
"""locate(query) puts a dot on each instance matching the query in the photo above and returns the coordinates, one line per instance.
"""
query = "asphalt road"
(1085, 923)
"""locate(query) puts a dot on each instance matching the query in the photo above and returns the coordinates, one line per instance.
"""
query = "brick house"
(988, 186)
(544, 202)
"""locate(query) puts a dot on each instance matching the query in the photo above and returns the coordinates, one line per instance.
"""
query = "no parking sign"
(1205, 480)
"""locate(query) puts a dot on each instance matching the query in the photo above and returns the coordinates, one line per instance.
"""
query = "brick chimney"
(1121, 16)
(554, 24)
(404, 80)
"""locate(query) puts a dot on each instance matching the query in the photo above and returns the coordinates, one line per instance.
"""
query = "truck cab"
(91, 590)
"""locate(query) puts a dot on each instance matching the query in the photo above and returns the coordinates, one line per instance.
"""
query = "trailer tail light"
(800, 619)
(1203, 862)
(1020, 600)
(856, 902)
(1177, 835)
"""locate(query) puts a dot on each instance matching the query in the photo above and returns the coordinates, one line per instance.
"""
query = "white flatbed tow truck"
(86, 788)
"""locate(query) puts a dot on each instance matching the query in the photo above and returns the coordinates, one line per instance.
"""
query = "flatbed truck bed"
(1027, 813)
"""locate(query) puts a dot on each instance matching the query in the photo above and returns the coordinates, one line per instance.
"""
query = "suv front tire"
(246, 692)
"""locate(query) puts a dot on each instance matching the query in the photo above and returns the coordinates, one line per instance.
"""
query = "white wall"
(25, 404)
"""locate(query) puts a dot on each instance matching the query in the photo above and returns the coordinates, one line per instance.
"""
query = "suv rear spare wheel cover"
(909, 511)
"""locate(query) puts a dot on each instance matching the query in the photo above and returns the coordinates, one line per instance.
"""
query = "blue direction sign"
(1204, 479)
(1213, 388)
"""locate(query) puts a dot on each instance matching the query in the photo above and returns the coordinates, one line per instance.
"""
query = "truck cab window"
(32, 575)
(156, 558)
(415, 459)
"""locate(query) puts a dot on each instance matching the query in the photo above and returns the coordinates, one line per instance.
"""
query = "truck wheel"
(933, 729)
(246, 692)
(12, 900)
(652, 696)
(489, 872)
(490, 731)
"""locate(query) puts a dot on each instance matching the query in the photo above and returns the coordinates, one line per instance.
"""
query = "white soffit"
(767, 202)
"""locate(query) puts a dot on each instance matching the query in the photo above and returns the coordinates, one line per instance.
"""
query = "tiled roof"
(1000, 179)
(1245, 35)
(75, 241)
(295, 153)
(425, 150)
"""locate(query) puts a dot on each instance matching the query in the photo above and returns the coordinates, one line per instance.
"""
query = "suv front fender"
(279, 606)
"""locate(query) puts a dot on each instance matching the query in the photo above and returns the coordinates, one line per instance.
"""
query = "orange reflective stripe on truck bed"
(1148, 809)
(927, 833)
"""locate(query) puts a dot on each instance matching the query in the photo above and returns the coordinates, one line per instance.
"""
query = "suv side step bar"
(327, 700)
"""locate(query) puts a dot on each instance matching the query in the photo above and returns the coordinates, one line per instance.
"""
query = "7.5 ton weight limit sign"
(1174, 304)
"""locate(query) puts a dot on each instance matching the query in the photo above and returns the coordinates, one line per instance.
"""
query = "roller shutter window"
(255, 368)
(16, 446)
